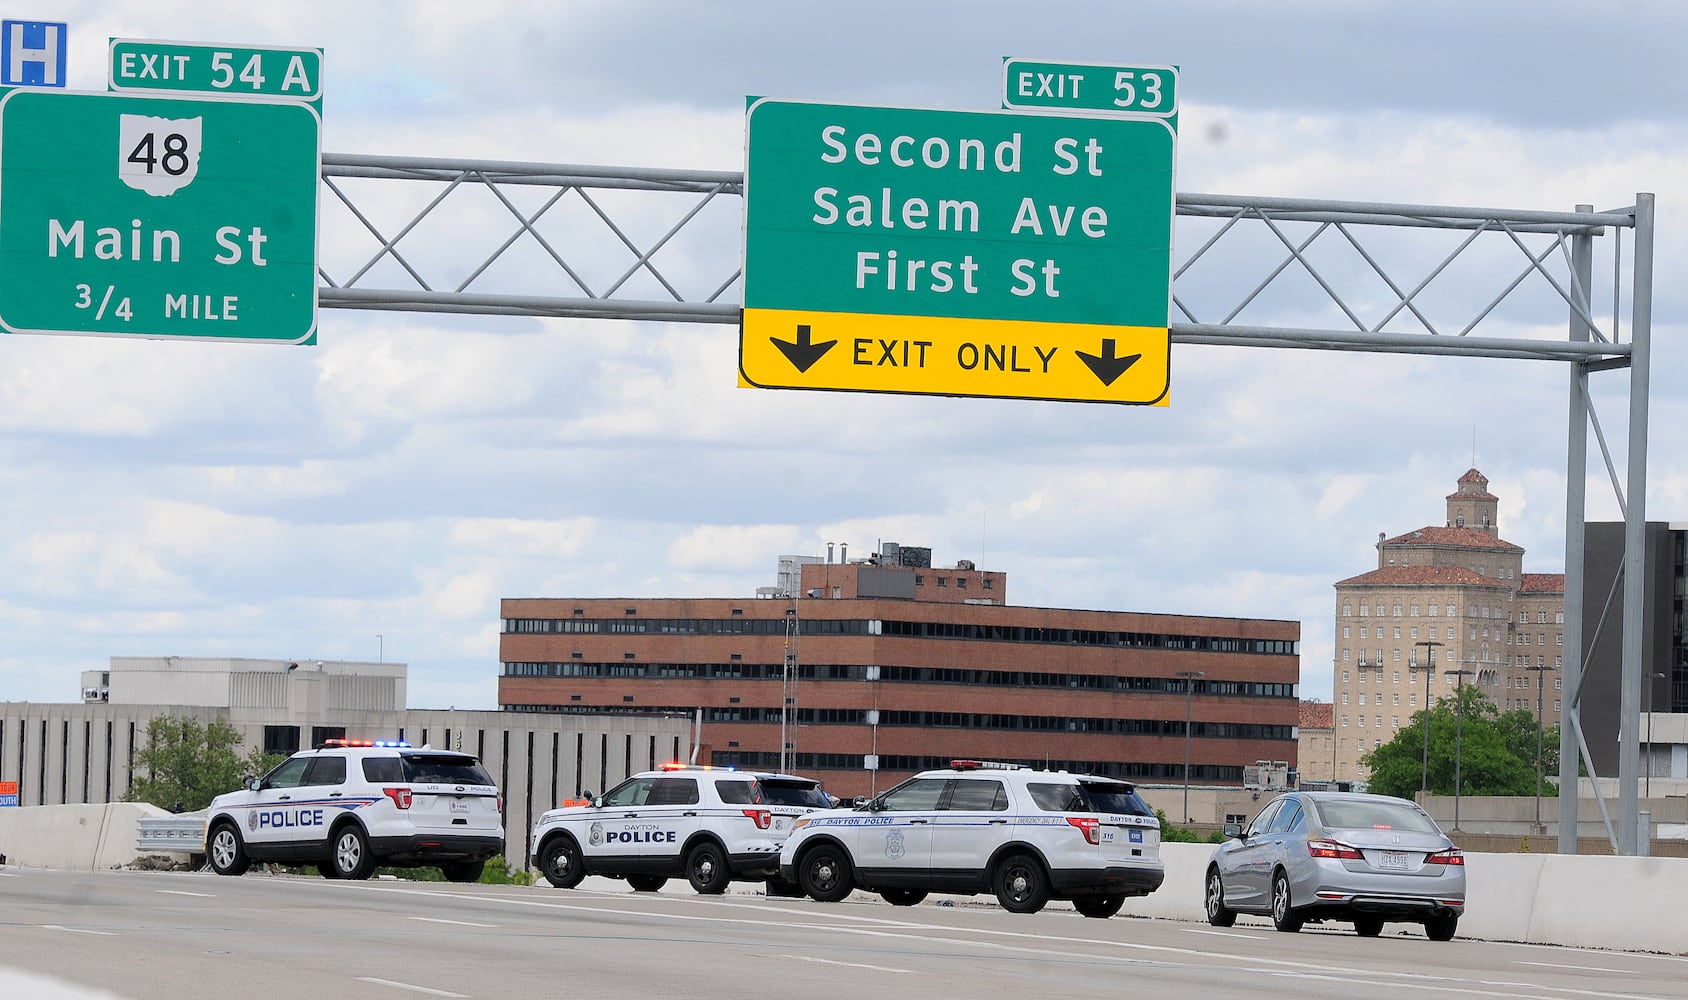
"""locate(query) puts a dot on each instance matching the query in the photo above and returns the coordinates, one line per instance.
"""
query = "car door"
(641, 824)
(973, 821)
(894, 847)
(265, 824)
(1245, 865)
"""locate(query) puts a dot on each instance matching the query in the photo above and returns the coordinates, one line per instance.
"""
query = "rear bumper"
(425, 848)
(1388, 905)
(1117, 880)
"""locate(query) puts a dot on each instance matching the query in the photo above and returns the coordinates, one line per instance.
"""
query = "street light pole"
(1459, 732)
(1189, 677)
(1429, 667)
(1541, 686)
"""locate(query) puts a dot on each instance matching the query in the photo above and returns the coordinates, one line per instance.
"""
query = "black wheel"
(226, 852)
(349, 853)
(560, 862)
(706, 869)
(824, 873)
(646, 883)
(463, 871)
(1441, 928)
(903, 897)
(1100, 907)
(1284, 917)
(1218, 914)
(1368, 926)
(325, 869)
(1020, 885)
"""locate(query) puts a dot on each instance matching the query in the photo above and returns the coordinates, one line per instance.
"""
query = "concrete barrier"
(84, 837)
(1584, 901)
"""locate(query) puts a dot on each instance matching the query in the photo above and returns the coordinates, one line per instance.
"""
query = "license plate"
(459, 806)
(1393, 859)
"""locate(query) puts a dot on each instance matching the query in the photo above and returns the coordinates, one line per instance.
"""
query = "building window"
(1450, 611)
(1433, 610)
(1397, 611)
(1380, 611)
(1365, 633)
(1345, 673)
(1345, 697)
(985, 583)
(943, 581)
(1347, 610)
(961, 583)
(1397, 677)
(919, 580)
(1346, 632)
(1413, 612)
(1397, 658)
(1362, 697)
(1345, 718)
(1365, 611)
(1395, 699)
(1397, 631)
(1345, 652)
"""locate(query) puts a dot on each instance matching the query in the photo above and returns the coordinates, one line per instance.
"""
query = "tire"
(1368, 926)
(1441, 928)
(1020, 884)
(226, 852)
(1284, 917)
(646, 883)
(903, 897)
(463, 871)
(560, 862)
(706, 869)
(1218, 914)
(823, 873)
(1100, 907)
(349, 853)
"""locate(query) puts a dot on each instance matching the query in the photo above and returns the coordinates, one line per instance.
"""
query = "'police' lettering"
(277, 819)
(641, 836)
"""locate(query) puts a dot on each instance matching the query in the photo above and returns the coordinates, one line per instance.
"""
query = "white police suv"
(712, 825)
(1028, 836)
(350, 805)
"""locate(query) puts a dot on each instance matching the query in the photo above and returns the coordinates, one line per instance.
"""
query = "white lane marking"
(9, 875)
(459, 923)
(1223, 934)
(413, 989)
(75, 930)
(183, 892)
(853, 965)
(1579, 968)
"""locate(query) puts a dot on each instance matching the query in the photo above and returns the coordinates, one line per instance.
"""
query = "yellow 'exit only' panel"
(941, 356)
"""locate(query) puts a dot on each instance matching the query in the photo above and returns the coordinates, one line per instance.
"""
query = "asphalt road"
(181, 936)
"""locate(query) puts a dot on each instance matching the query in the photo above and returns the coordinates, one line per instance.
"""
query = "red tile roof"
(1473, 476)
(1418, 576)
(1541, 583)
(1462, 538)
(1317, 715)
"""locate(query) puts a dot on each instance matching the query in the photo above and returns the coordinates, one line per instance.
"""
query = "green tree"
(187, 763)
(1496, 752)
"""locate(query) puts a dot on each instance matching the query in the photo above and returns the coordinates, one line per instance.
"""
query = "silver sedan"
(1313, 856)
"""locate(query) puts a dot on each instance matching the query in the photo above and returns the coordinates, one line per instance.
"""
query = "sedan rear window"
(1362, 815)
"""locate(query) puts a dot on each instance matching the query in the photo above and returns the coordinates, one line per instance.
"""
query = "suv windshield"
(794, 792)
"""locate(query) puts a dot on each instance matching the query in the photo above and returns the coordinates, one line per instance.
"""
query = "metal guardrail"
(179, 834)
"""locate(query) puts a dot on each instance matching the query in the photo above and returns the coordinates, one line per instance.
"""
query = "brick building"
(887, 666)
(1454, 599)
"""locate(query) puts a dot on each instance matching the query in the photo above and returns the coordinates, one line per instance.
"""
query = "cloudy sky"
(378, 493)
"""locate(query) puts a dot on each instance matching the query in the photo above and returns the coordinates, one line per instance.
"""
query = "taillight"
(1090, 826)
(1332, 849)
(1451, 856)
(400, 796)
(761, 817)
(501, 804)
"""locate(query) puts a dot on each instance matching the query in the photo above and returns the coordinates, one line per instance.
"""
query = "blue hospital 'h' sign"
(32, 53)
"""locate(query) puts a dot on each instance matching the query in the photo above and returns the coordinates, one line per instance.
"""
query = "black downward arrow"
(1108, 367)
(803, 354)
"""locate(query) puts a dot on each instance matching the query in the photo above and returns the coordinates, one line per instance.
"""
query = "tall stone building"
(1445, 606)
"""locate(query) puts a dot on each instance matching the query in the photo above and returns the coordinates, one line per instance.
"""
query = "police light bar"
(987, 765)
(337, 742)
(676, 765)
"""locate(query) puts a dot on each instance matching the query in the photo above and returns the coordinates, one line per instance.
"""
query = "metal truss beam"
(1350, 268)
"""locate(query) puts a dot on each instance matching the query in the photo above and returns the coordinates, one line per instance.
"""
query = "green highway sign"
(1031, 85)
(973, 253)
(248, 72)
(137, 216)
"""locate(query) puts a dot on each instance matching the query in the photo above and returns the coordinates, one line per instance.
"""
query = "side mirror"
(859, 802)
(251, 783)
(1233, 831)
